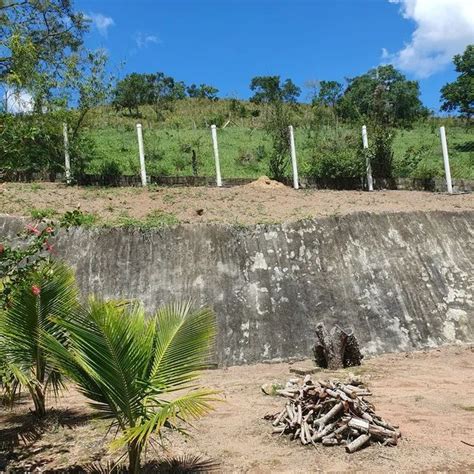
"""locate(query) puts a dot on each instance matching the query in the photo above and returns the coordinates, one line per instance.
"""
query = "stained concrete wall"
(402, 280)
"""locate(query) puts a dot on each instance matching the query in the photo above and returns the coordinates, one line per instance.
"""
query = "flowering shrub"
(18, 262)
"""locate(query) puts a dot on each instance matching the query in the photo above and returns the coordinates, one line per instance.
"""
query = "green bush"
(336, 157)
(34, 143)
(381, 151)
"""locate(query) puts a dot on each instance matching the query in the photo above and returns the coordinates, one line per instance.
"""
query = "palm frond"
(109, 348)
(183, 340)
(126, 364)
(32, 315)
(188, 407)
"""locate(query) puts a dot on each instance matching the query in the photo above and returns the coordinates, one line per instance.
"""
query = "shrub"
(337, 157)
(34, 143)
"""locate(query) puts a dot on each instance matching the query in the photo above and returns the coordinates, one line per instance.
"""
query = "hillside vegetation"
(245, 145)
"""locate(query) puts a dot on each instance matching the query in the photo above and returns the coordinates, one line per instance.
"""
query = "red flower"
(33, 229)
(49, 230)
(36, 290)
(48, 247)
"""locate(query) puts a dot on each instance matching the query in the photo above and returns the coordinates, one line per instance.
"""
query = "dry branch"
(332, 413)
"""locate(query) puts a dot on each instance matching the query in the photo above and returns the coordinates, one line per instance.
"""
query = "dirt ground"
(259, 202)
(429, 394)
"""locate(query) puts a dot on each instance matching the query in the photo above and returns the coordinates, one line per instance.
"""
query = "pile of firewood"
(332, 413)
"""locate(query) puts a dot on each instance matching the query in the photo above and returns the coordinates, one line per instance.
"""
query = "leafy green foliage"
(140, 372)
(203, 91)
(158, 90)
(335, 155)
(42, 213)
(380, 151)
(328, 93)
(401, 104)
(18, 262)
(277, 127)
(29, 318)
(131, 92)
(459, 95)
(270, 90)
(32, 143)
(37, 38)
(77, 218)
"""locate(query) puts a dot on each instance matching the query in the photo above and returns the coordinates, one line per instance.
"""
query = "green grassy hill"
(245, 146)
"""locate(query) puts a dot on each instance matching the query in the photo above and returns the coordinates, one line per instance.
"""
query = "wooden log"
(323, 433)
(299, 415)
(359, 424)
(330, 442)
(330, 414)
(279, 417)
(357, 443)
(380, 432)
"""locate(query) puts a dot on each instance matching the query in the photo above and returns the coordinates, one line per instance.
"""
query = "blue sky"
(226, 42)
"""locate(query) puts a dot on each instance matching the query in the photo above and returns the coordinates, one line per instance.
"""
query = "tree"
(46, 294)
(401, 97)
(164, 92)
(202, 91)
(37, 37)
(131, 92)
(269, 90)
(328, 93)
(459, 95)
(139, 371)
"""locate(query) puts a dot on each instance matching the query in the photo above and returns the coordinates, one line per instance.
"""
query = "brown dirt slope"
(260, 202)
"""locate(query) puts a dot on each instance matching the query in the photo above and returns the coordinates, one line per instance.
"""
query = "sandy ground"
(253, 203)
(429, 394)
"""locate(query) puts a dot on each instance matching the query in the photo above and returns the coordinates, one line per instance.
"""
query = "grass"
(78, 218)
(45, 213)
(245, 147)
(156, 219)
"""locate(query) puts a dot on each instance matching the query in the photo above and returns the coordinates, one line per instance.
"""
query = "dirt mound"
(265, 182)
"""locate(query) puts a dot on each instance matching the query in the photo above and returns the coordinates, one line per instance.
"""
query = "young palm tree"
(50, 293)
(130, 366)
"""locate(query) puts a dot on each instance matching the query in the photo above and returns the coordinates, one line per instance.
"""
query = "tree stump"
(336, 349)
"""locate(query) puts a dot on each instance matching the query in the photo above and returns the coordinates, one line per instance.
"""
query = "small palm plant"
(139, 371)
(49, 292)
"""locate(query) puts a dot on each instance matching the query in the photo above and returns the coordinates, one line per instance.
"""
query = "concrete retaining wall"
(402, 280)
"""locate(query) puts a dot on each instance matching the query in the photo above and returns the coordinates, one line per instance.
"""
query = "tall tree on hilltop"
(459, 95)
(401, 97)
(270, 89)
(203, 91)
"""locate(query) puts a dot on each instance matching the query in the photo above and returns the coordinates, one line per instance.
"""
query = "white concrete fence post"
(216, 155)
(294, 163)
(67, 159)
(365, 142)
(447, 169)
(141, 152)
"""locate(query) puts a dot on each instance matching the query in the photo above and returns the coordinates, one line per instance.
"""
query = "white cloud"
(443, 28)
(18, 101)
(101, 22)
(143, 40)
